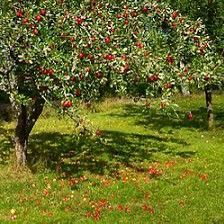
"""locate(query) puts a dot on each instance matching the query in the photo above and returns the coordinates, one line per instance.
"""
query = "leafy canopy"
(72, 50)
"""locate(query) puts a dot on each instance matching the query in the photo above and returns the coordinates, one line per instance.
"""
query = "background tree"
(211, 12)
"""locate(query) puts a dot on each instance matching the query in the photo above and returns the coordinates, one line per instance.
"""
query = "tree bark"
(21, 137)
(25, 124)
(21, 151)
(208, 97)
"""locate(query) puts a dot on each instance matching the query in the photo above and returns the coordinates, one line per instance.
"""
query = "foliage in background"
(210, 11)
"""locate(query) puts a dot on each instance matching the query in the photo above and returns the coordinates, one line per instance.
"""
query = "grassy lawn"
(147, 169)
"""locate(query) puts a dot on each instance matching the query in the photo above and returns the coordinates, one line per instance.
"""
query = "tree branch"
(36, 111)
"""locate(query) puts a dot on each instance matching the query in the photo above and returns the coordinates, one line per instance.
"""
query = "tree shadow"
(74, 156)
(5, 145)
(158, 121)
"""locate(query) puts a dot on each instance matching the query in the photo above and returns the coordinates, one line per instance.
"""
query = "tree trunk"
(208, 97)
(21, 136)
(21, 151)
(25, 123)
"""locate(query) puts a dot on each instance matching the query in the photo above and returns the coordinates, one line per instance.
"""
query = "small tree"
(72, 50)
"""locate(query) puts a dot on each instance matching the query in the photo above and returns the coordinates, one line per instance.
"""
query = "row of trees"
(74, 50)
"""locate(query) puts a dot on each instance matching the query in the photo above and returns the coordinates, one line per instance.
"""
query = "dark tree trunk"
(208, 97)
(21, 151)
(24, 126)
(21, 137)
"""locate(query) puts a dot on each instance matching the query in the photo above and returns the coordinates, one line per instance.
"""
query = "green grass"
(87, 180)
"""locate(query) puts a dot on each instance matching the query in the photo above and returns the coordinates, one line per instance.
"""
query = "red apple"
(25, 21)
(153, 171)
(38, 18)
(50, 72)
(67, 104)
(174, 25)
(168, 85)
(81, 55)
(190, 78)
(169, 59)
(35, 31)
(72, 39)
(19, 13)
(45, 71)
(107, 40)
(43, 12)
(125, 15)
(134, 14)
(145, 9)
(139, 45)
(79, 21)
(174, 15)
(126, 22)
(109, 57)
(186, 69)
(190, 116)
(153, 78)
(206, 78)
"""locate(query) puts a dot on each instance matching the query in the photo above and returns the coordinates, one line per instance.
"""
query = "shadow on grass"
(157, 121)
(73, 156)
(5, 145)
(63, 152)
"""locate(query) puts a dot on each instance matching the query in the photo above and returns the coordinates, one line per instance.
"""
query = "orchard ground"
(146, 169)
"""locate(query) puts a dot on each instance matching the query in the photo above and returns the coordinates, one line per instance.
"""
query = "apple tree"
(180, 53)
(71, 51)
